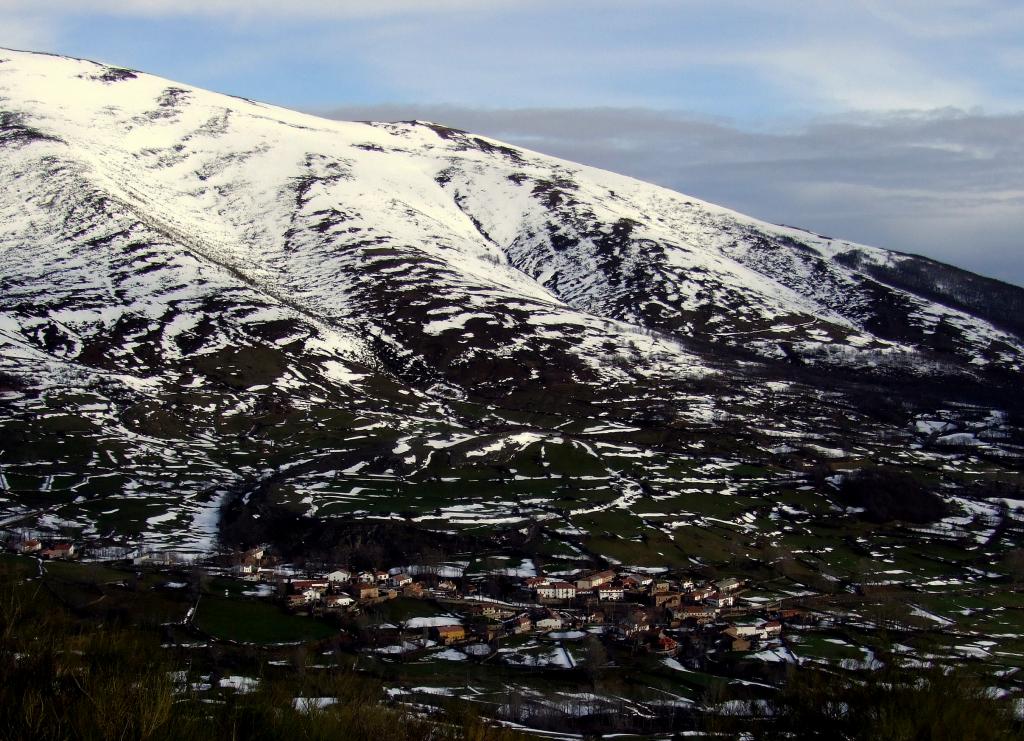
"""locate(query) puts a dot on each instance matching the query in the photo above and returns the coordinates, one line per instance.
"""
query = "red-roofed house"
(587, 583)
(59, 551)
(556, 590)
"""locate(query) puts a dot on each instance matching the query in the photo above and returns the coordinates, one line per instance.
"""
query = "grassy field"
(399, 610)
(18, 567)
(84, 573)
(251, 621)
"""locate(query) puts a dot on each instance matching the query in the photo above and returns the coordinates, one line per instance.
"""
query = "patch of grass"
(824, 647)
(83, 573)
(656, 550)
(399, 610)
(17, 567)
(251, 621)
(714, 545)
(571, 460)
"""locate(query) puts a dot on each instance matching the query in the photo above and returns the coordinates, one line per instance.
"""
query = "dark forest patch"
(888, 494)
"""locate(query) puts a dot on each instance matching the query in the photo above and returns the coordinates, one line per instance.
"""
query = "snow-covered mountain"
(203, 295)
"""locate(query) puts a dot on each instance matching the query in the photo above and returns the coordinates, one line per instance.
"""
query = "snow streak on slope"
(303, 209)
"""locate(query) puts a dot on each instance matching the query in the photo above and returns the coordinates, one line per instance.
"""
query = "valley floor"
(440, 646)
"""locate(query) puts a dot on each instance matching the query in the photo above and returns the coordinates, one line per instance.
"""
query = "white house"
(400, 580)
(770, 629)
(586, 583)
(728, 585)
(310, 589)
(556, 590)
(746, 629)
(552, 622)
(339, 600)
(643, 580)
(519, 625)
(721, 600)
(610, 593)
(339, 576)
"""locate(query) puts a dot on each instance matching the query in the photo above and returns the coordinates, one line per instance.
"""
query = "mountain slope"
(203, 297)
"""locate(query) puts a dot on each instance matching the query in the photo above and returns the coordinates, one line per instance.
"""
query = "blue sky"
(892, 122)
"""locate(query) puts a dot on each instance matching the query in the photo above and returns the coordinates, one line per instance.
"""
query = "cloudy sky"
(898, 123)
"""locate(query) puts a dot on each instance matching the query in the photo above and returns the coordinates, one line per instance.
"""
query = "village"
(670, 615)
(564, 648)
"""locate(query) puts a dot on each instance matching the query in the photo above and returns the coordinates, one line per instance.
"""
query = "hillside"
(210, 302)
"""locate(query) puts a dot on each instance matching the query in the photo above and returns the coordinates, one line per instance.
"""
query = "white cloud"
(831, 56)
(27, 32)
(1012, 60)
(249, 9)
(864, 76)
(947, 19)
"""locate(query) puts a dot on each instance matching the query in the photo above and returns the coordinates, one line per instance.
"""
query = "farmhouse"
(660, 586)
(309, 589)
(586, 583)
(338, 601)
(657, 642)
(448, 634)
(364, 590)
(400, 580)
(556, 590)
(633, 622)
(699, 594)
(745, 629)
(667, 599)
(59, 551)
(519, 625)
(248, 567)
(489, 631)
(301, 585)
(700, 614)
(728, 585)
(735, 640)
(721, 600)
(548, 622)
(641, 580)
(413, 589)
(791, 614)
(490, 610)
